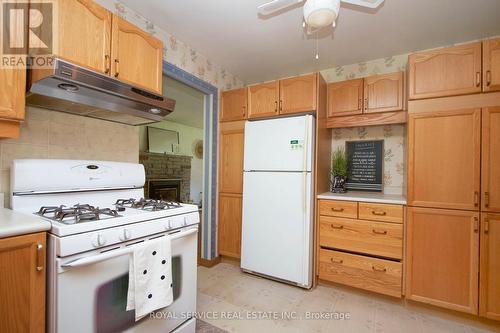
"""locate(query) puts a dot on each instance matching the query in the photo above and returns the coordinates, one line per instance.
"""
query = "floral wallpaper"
(176, 51)
(394, 136)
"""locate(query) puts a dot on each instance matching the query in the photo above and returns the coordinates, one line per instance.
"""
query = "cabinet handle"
(379, 232)
(379, 213)
(478, 79)
(336, 261)
(39, 257)
(340, 227)
(488, 78)
(338, 210)
(378, 269)
(244, 110)
(366, 103)
(486, 226)
(107, 64)
(275, 106)
(487, 199)
(476, 198)
(281, 105)
(117, 67)
(360, 101)
(476, 224)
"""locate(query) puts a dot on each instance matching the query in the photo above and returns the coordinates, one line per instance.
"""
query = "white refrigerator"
(277, 230)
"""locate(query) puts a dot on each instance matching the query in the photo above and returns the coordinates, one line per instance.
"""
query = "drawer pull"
(336, 261)
(337, 226)
(379, 213)
(379, 269)
(338, 210)
(379, 232)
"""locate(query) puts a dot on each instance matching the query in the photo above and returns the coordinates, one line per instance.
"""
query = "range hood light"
(155, 111)
(68, 87)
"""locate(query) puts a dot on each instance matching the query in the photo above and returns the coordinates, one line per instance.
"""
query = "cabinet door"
(444, 155)
(12, 86)
(137, 56)
(263, 100)
(345, 98)
(22, 290)
(234, 105)
(445, 72)
(489, 285)
(229, 224)
(491, 65)
(384, 93)
(443, 258)
(491, 160)
(231, 160)
(84, 34)
(298, 94)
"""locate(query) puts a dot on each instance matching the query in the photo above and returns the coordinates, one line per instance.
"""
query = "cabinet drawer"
(338, 208)
(381, 212)
(378, 275)
(375, 238)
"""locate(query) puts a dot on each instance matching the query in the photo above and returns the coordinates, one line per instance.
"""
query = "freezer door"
(284, 144)
(277, 227)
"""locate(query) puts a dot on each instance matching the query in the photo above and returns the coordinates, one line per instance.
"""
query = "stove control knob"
(185, 221)
(125, 235)
(98, 240)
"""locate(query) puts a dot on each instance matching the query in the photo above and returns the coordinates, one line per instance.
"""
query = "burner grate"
(146, 204)
(76, 214)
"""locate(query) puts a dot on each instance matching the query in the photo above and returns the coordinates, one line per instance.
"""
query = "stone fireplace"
(167, 176)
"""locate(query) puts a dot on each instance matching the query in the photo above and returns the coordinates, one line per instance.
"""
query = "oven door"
(92, 296)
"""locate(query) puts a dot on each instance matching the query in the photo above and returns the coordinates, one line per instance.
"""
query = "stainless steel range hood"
(73, 89)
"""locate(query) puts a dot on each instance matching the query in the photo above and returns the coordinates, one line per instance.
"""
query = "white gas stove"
(98, 214)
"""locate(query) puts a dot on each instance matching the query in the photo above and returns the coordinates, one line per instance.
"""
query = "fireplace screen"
(165, 189)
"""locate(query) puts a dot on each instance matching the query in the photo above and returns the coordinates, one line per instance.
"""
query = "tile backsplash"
(56, 135)
(394, 137)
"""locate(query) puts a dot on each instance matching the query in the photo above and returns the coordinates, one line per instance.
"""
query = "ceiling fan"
(317, 13)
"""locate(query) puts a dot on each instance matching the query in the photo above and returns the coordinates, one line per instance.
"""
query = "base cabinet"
(22, 286)
(443, 258)
(230, 216)
(489, 285)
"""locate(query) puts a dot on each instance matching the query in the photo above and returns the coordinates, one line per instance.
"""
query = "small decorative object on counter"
(339, 171)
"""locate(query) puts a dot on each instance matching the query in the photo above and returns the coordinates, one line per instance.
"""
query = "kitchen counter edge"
(382, 198)
(17, 224)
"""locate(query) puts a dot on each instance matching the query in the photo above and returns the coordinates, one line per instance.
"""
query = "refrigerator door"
(277, 225)
(284, 144)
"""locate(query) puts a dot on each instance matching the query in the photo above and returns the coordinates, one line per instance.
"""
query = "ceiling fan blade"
(365, 3)
(276, 5)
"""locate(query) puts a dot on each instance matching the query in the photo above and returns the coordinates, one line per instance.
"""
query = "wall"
(394, 136)
(50, 134)
(188, 136)
(177, 52)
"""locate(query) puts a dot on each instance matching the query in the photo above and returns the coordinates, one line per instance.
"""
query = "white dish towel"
(150, 277)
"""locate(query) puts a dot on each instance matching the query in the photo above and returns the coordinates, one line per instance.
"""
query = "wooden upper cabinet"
(491, 65)
(445, 72)
(231, 160)
(22, 287)
(229, 226)
(490, 174)
(263, 100)
(489, 285)
(137, 57)
(84, 34)
(443, 258)
(345, 98)
(13, 87)
(384, 93)
(298, 94)
(444, 155)
(234, 105)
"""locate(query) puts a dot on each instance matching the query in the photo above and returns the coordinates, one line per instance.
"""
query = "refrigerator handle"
(304, 170)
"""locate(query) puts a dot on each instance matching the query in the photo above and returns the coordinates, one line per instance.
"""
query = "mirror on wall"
(162, 141)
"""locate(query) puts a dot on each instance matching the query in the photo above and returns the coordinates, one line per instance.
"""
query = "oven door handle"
(120, 252)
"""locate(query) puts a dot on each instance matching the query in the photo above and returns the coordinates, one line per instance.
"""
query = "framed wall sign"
(365, 165)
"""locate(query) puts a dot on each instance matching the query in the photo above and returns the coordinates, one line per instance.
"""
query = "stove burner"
(146, 204)
(76, 214)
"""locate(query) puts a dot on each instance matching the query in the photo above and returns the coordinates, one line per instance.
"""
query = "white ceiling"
(231, 33)
(189, 103)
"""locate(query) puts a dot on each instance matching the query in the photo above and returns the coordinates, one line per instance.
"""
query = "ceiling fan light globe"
(321, 13)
